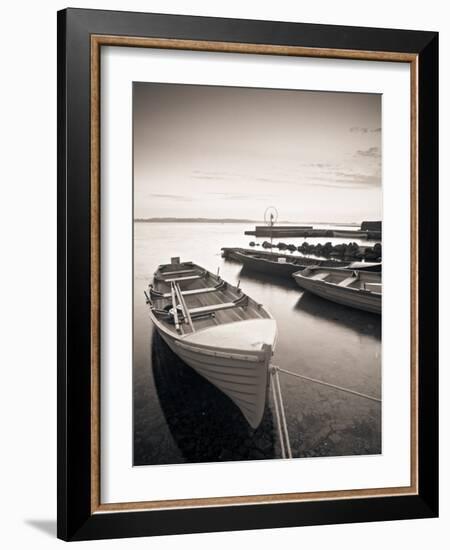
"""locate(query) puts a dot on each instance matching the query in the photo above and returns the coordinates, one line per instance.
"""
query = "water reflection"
(360, 321)
(247, 274)
(204, 423)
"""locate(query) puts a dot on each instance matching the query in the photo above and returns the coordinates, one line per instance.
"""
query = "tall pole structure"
(271, 233)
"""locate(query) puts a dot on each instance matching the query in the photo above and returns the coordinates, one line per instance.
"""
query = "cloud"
(236, 177)
(317, 165)
(239, 196)
(371, 152)
(368, 179)
(208, 173)
(205, 177)
(359, 130)
(268, 180)
(364, 130)
(179, 198)
(335, 185)
(212, 175)
(348, 179)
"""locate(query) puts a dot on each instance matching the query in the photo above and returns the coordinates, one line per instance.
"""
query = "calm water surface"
(180, 417)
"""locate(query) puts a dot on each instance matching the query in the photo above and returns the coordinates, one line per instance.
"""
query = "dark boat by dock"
(283, 265)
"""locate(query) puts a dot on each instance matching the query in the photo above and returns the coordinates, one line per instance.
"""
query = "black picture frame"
(76, 520)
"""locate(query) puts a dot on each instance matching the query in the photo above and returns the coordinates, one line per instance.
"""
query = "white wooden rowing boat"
(216, 329)
(354, 288)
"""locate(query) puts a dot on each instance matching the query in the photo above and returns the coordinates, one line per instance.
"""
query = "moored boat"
(350, 234)
(353, 288)
(282, 265)
(271, 264)
(216, 329)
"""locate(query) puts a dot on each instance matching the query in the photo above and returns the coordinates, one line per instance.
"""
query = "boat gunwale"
(211, 350)
(300, 272)
(253, 256)
(342, 289)
(183, 339)
(346, 296)
(267, 260)
(239, 254)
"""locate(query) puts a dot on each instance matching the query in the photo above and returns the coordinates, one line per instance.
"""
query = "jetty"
(370, 230)
(281, 231)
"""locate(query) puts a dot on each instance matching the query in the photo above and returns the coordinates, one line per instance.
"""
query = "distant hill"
(194, 220)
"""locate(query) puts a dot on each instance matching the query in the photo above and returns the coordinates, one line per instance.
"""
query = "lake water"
(180, 417)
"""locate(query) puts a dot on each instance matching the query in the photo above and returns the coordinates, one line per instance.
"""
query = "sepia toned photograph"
(257, 242)
(231, 354)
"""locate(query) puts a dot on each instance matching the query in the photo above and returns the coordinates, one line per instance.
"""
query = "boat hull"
(359, 299)
(263, 265)
(241, 375)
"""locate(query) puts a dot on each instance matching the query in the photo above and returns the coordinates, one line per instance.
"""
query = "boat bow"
(235, 358)
(249, 335)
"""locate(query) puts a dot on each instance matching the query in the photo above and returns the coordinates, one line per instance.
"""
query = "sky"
(224, 152)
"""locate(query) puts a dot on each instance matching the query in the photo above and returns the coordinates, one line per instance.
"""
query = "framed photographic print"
(247, 244)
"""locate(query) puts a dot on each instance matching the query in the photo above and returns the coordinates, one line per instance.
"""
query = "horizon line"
(169, 219)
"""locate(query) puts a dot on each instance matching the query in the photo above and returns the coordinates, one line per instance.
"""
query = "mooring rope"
(277, 413)
(347, 390)
(280, 413)
(283, 414)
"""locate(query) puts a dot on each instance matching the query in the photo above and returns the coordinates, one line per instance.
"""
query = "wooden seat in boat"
(373, 287)
(178, 279)
(217, 307)
(179, 272)
(347, 282)
(319, 276)
(194, 291)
